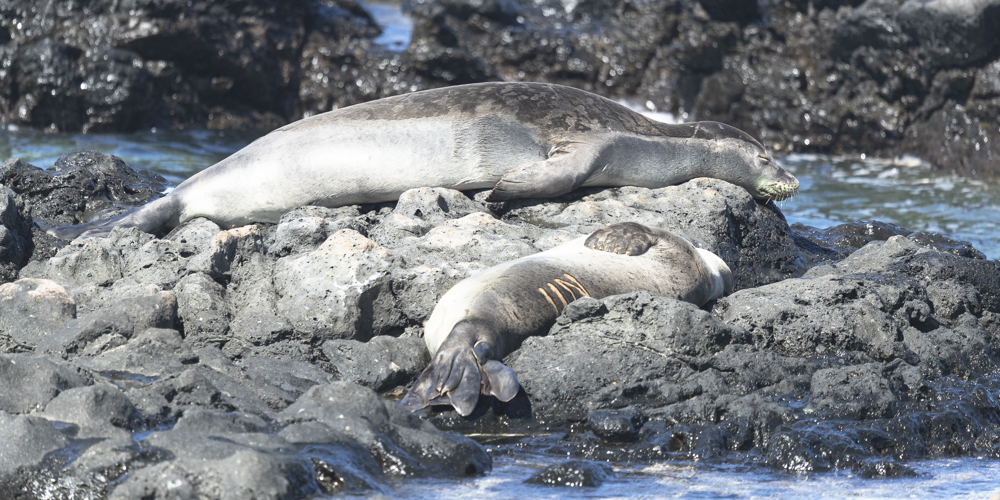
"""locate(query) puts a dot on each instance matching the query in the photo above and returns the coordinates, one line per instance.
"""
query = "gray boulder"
(154, 353)
(25, 440)
(242, 465)
(573, 473)
(146, 308)
(28, 382)
(98, 411)
(858, 392)
(31, 310)
(380, 364)
(805, 317)
(403, 445)
(303, 229)
(420, 210)
(202, 309)
(615, 350)
(340, 290)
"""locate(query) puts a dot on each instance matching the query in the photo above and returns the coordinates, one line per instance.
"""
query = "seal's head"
(772, 182)
(742, 160)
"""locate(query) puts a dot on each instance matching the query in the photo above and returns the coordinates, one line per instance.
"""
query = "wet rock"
(573, 473)
(98, 411)
(884, 468)
(25, 441)
(80, 186)
(380, 364)
(339, 290)
(340, 462)
(32, 310)
(844, 239)
(402, 446)
(15, 232)
(617, 425)
(28, 382)
(954, 34)
(241, 465)
(857, 392)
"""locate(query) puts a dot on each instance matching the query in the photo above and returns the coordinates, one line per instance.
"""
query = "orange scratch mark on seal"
(571, 288)
(577, 283)
(558, 294)
(547, 298)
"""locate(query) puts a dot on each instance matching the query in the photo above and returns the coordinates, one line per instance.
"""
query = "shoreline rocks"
(140, 361)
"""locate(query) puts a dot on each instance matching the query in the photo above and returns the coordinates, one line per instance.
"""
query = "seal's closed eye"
(626, 238)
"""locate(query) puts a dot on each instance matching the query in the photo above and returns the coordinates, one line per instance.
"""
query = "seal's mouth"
(777, 190)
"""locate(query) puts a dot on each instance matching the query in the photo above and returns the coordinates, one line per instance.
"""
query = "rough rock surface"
(267, 358)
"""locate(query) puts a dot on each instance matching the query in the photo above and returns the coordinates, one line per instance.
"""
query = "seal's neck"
(688, 151)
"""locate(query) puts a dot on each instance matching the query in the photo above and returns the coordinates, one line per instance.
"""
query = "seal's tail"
(148, 218)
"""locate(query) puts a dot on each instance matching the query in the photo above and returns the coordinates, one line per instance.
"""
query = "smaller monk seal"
(487, 316)
(522, 140)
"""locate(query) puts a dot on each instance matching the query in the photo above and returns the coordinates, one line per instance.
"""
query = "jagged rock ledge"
(218, 362)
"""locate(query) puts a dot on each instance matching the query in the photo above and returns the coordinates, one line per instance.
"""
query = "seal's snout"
(779, 187)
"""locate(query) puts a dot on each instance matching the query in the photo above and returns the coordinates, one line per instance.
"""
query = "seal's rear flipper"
(455, 377)
(148, 218)
(499, 381)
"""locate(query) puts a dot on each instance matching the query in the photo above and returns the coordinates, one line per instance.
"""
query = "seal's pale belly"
(351, 163)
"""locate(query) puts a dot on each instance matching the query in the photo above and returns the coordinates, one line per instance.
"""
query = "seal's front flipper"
(626, 238)
(567, 168)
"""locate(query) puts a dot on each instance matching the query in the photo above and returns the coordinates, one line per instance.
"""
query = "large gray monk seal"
(524, 140)
(487, 316)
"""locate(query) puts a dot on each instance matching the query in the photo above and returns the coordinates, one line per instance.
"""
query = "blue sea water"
(959, 479)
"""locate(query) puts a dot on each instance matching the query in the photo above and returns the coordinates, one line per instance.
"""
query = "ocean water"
(955, 479)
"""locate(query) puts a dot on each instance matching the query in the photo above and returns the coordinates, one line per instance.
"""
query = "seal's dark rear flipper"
(455, 377)
(149, 218)
(500, 381)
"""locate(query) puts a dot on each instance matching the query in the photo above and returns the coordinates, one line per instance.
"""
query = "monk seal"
(523, 140)
(487, 316)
